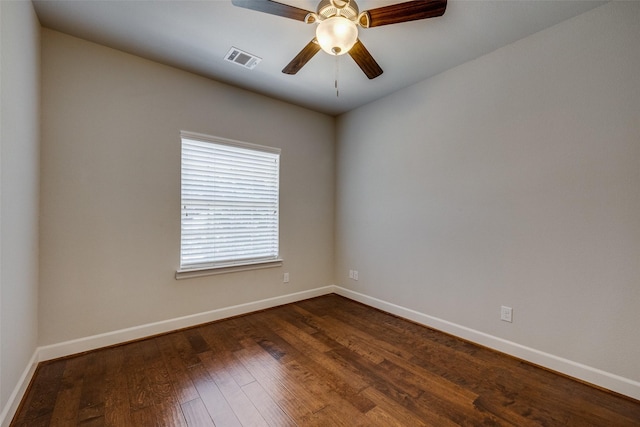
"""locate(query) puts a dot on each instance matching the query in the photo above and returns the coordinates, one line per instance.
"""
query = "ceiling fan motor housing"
(329, 8)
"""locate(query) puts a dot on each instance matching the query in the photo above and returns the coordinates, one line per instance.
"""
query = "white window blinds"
(229, 202)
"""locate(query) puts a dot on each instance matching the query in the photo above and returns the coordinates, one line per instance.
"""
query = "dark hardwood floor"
(327, 361)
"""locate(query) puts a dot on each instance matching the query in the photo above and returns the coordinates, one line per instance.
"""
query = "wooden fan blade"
(407, 11)
(365, 61)
(273, 8)
(303, 57)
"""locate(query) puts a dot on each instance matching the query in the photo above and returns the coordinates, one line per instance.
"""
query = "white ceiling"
(196, 35)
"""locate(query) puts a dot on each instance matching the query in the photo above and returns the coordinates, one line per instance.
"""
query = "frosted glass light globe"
(336, 35)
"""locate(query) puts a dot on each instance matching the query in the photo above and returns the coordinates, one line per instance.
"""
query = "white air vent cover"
(242, 58)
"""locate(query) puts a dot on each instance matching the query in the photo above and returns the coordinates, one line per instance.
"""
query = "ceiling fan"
(338, 21)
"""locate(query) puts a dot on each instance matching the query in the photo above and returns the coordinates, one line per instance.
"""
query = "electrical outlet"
(350, 274)
(286, 278)
(355, 274)
(506, 314)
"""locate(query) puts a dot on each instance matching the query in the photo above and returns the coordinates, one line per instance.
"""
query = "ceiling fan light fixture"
(337, 35)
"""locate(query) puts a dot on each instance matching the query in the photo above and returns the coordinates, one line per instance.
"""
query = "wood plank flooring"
(326, 361)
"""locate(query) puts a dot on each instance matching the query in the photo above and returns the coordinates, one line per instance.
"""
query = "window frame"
(205, 269)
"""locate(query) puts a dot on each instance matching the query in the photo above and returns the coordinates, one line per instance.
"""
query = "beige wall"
(19, 140)
(110, 215)
(510, 180)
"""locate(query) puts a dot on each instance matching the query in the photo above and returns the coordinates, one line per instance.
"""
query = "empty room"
(319, 213)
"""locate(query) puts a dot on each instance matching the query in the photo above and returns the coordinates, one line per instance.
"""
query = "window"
(230, 196)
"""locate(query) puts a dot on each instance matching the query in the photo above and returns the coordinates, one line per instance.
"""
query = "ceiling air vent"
(242, 58)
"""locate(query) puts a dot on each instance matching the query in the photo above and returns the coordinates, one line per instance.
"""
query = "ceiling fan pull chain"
(336, 81)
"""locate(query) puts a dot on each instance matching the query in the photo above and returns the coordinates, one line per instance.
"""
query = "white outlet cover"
(506, 313)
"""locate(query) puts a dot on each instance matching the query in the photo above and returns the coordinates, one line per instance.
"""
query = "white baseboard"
(582, 372)
(20, 389)
(591, 375)
(80, 345)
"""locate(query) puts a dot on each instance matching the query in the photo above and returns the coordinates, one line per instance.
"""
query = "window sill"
(226, 268)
